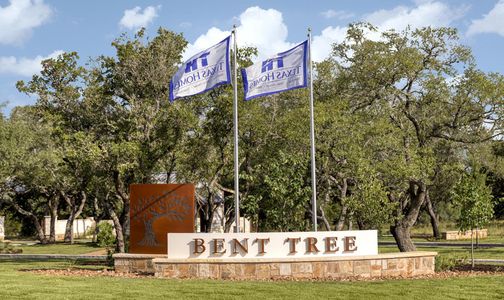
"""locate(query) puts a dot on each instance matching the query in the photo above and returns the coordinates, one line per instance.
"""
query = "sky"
(33, 30)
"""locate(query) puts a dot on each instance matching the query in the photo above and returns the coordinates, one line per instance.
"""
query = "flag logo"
(202, 72)
(285, 71)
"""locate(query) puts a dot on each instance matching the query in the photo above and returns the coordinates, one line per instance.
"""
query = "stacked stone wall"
(407, 264)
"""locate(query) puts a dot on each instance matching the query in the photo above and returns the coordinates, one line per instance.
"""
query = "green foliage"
(105, 237)
(284, 195)
(390, 127)
(370, 203)
(13, 223)
(447, 263)
(7, 248)
(475, 200)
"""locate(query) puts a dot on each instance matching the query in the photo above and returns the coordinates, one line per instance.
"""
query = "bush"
(105, 237)
(12, 223)
(448, 263)
(6, 248)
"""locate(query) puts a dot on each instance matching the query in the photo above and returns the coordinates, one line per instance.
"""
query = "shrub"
(105, 237)
(448, 263)
(6, 248)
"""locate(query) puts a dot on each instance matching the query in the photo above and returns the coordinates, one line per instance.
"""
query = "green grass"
(24, 285)
(490, 240)
(496, 236)
(495, 228)
(457, 252)
(79, 247)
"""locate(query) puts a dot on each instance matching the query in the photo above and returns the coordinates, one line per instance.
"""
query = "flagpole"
(312, 139)
(235, 121)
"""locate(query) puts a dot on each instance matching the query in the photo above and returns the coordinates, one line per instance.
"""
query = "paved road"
(445, 244)
(43, 257)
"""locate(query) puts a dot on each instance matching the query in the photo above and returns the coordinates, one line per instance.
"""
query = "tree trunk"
(53, 212)
(124, 218)
(120, 246)
(40, 230)
(229, 220)
(75, 212)
(344, 208)
(433, 217)
(472, 249)
(342, 218)
(69, 229)
(38, 227)
(402, 237)
(350, 222)
(125, 223)
(52, 227)
(97, 217)
(477, 237)
(360, 224)
(324, 219)
(206, 220)
(410, 210)
(327, 199)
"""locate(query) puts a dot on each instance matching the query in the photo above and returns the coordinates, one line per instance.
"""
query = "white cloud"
(260, 28)
(24, 66)
(134, 18)
(265, 28)
(211, 37)
(19, 18)
(426, 13)
(493, 22)
(339, 14)
(322, 44)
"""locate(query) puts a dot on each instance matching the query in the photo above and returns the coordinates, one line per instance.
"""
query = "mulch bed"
(459, 271)
(86, 273)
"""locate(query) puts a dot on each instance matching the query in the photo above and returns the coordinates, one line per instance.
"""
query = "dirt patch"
(480, 268)
(98, 252)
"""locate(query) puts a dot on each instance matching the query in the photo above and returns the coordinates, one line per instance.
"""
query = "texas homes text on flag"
(202, 72)
(285, 71)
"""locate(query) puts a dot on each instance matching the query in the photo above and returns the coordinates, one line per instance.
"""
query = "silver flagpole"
(312, 139)
(235, 121)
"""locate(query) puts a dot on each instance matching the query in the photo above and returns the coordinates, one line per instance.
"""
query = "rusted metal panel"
(156, 210)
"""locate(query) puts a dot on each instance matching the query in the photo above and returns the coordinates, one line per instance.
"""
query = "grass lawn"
(24, 285)
(488, 240)
(495, 228)
(79, 247)
(456, 252)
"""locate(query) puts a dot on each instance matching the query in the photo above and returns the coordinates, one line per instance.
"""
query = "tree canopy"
(398, 117)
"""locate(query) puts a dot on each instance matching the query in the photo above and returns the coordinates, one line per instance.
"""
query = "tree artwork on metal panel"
(149, 209)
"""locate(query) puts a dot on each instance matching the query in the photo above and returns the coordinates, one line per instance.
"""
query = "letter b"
(199, 246)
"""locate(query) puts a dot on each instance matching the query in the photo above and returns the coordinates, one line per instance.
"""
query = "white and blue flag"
(202, 72)
(285, 71)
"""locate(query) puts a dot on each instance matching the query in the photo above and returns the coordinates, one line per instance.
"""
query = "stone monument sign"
(158, 209)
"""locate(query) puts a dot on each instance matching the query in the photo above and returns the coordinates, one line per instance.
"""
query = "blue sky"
(31, 30)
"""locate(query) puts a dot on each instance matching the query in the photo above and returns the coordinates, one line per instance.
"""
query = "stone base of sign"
(135, 263)
(464, 235)
(406, 264)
